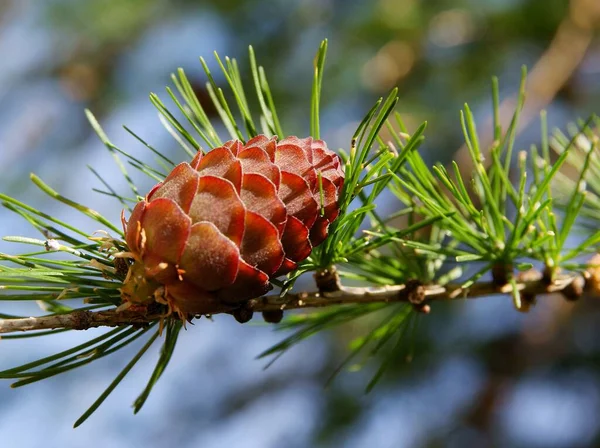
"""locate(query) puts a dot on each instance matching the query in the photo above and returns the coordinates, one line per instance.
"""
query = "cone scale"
(217, 229)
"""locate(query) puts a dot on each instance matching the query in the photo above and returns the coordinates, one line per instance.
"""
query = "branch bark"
(413, 292)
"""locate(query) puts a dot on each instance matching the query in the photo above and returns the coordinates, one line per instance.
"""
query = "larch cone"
(212, 234)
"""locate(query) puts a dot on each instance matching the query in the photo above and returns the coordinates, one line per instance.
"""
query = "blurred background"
(481, 375)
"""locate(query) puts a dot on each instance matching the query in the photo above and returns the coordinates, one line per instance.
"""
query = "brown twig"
(413, 292)
(77, 320)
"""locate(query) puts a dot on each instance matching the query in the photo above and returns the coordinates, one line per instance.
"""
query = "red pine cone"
(215, 230)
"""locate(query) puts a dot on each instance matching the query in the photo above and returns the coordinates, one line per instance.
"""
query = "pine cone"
(213, 233)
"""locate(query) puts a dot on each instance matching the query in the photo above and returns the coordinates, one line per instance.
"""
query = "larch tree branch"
(530, 284)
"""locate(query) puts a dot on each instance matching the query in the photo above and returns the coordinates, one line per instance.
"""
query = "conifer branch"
(530, 285)
(77, 320)
(480, 217)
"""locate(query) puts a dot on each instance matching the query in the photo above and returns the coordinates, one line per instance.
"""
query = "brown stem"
(413, 292)
(77, 320)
